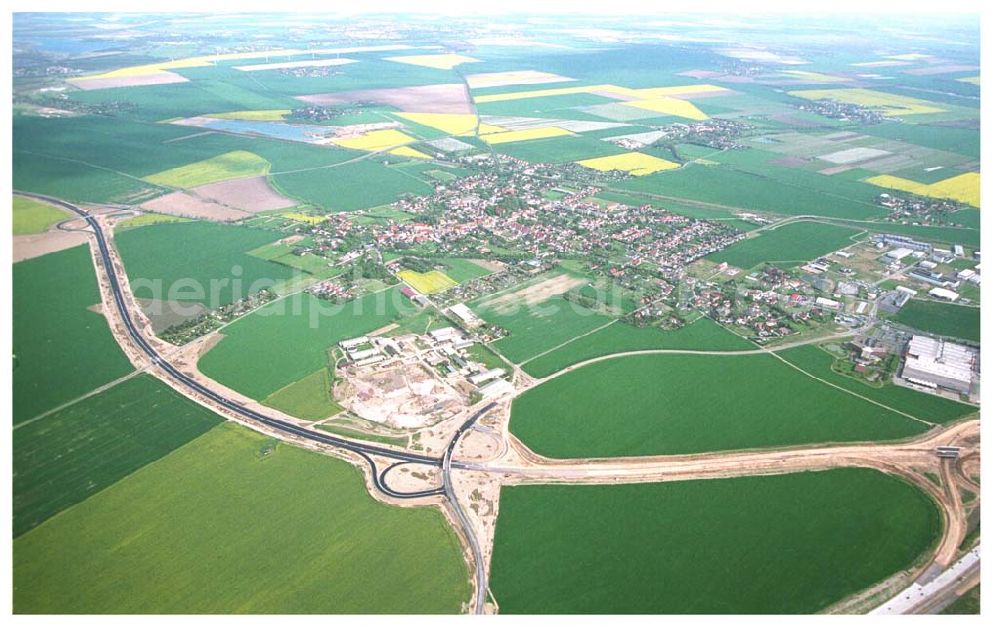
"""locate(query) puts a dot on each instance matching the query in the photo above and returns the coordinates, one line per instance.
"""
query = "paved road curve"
(470, 533)
(360, 448)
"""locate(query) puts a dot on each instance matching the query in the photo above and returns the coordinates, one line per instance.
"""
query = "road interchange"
(517, 464)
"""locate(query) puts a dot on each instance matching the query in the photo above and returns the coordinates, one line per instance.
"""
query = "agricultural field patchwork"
(891, 104)
(796, 242)
(703, 334)
(62, 348)
(935, 409)
(325, 547)
(198, 262)
(964, 188)
(222, 167)
(288, 340)
(803, 542)
(80, 450)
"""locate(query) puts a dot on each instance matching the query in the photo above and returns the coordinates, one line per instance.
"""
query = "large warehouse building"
(940, 364)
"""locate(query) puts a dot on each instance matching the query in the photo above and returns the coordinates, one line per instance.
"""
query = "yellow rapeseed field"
(651, 99)
(524, 134)
(305, 218)
(963, 188)
(427, 283)
(408, 152)
(230, 165)
(670, 106)
(378, 140)
(634, 162)
(451, 124)
(445, 61)
(892, 104)
(189, 62)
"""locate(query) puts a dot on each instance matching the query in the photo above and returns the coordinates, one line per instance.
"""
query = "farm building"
(893, 240)
(465, 314)
(940, 364)
(827, 303)
(477, 379)
(443, 334)
(347, 344)
(495, 389)
(943, 294)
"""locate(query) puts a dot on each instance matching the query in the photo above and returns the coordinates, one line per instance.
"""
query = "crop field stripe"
(173, 537)
(71, 454)
(778, 544)
(693, 413)
(567, 342)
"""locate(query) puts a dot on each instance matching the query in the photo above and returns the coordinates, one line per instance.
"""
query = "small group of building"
(936, 364)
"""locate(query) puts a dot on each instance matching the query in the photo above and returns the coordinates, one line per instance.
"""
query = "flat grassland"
(427, 283)
(193, 255)
(288, 340)
(675, 404)
(925, 406)
(702, 334)
(234, 522)
(778, 544)
(941, 318)
(799, 241)
(308, 398)
(34, 217)
(65, 457)
(61, 349)
(219, 168)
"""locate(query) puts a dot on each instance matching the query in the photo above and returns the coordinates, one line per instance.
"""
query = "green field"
(788, 544)
(308, 398)
(201, 261)
(65, 457)
(352, 186)
(62, 349)
(34, 217)
(933, 408)
(287, 340)
(799, 241)
(234, 522)
(147, 218)
(75, 181)
(703, 334)
(230, 165)
(941, 318)
(751, 191)
(461, 270)
(540, 327)
(672, 404)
